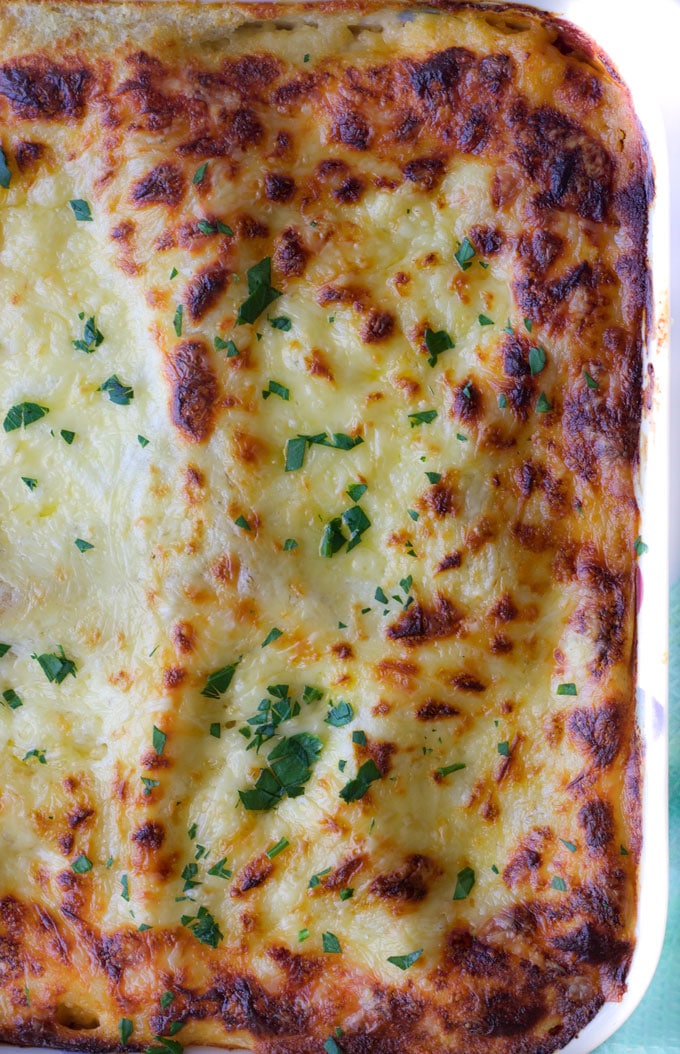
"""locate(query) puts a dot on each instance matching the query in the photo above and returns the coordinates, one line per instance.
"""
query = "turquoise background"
(654, 1028)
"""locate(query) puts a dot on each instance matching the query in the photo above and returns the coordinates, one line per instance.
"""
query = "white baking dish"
(620, 37)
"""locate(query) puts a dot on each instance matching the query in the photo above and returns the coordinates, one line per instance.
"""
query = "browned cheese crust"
(560, 210)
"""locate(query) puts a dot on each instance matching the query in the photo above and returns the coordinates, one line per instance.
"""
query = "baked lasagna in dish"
(321, 390)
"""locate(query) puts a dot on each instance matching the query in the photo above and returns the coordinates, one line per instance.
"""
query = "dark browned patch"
(28, 154)
(534, 537)
(254, 873)
(592, 944)
(487, 240)
(317, 366)
(504, 610)
(173, 676)
(351, 128)
(466, 682)
(65, 842)
(539, 250)
(377, 327)
(184, 638)
(440, 499)
(382, 753)
(251, 228)
(597, 820)
(123, 231)
(344, 872)
(427, 172)
(194, 390)
(598, 731)
(151, 835)
(501, 644)
(342, 650)
(279, 187)
(79, 816)
(298, 968)
(523, 864)
(432, 710)
(467, 402)
(410, 882)
(421, 624)
(204, 290)
(450, 562)
(40, 89)
(163, 185)
(398, 672)
(290, 255)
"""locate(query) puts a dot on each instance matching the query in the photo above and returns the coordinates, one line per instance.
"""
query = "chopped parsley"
(173, 273)
(282, 322)
(413, 514)
(169, 1046)
(82, 545)
(12, 699)
(216, 730)
(276, 389)
(359, 737)
(159, 740)
(591, 382)
(67, 436)
(166, 999)
(465, 254)
(125, 1028)
(125, 887)
(242, 522)
(273, 635)
(367, 774)
(502, 402)
(356, 491)
(4, 648)
(219, 870)
(434, 477)
(465, 880)
(290, 768)
(81, 210)
(218, 681)
(423, 417)
(528, 325)
(346, 894)
(543, 406)
(303, 935)
(178, 319)
(437, 343)
(559, 884)
(200, 173)
(204, 927)
(537, 360)
(274, 850)
(91, 339)
(206, 227)
(289, 544)
(5, 174)
(330, 943)
(504, 749)
(23, 414)
(149, 785)
(484, 320)
(446, 770)
(39, 754)
(567, 689)
(296, 448)
(640, 547)
(143, 441)
(56, 667)
(405, 962)
(381, 596)
(333, 538)
(315, 880)
(339, 715)
(570, 845)
(119, 393)
(81, 865)
(30, 482)
(260, 292)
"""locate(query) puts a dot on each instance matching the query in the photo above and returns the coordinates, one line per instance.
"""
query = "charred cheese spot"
(163, 185)
(44, 90)
(194, 390)
(204, 291)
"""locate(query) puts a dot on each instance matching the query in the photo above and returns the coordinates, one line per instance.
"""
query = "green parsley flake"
(67, 436)
(13, 700)
(282, 323)
(216, 730)
(448, 769)
(119, 393)
(464, 254)
(5, 174)
(423, 417)
(356, 491)
(218, 682)
(81, 210)
(502, 402)
(289, 544)
(434, 477)
(125, 1028)
(39, 754)
(276, 389)
(303, 935)
(559, 884)
(504, 749)
(30, 482)
(204, 927)
(260, 292)
(413, 514)
(166, 999)
(640, 547)
(465, 880)
(570, 845)
(405, 962)
(567, 689)
(56, 667)
(91, 339)
(291, 762)
(4, 648)
(591, 382)
(173, 273)
(81, 865)
(346, 894)
(178, 319)
(484, 320)
(437, 343)
(82, 545)
(241, 521)
(125, 887)
(219, 870)
(537, 360)
(543, 406)
(143, 441)
(149, 785)
(330, 943)
(200, 173)
(159, 740)
(23, 414)
(528, 325)
(360, 738)
(273, 635)
(274, 850)
(339, 715)
(367, 774)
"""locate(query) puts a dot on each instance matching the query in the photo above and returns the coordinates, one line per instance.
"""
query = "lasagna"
(321, 389)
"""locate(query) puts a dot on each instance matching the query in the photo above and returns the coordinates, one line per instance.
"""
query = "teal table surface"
(654, 1028)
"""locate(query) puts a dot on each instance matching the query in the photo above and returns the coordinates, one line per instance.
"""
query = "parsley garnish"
(437, 343)
(143, 441)
(166, 999)
(295, 448)
(289, 544)
(423, 417)
(273, 635)
(119, 393)
(434, 477)
(484, 320)
(5, 174)
(12, 699)
(178, 318)
(173, 273)
(290, 768)
(39, 754)
(528, 325)
(543, 406)
(330, 943)
(204, 927)
(242, 522)
(81, 210)
(82, 545)
(567, 689)
(367, 774)
(448, 769)
(465, 880)
(260, 292)
(640, 546)
(276, 389)
(282, 322)
(199, 173)
(346, 894)
(23, 414)
(92, 338)
(216, 730)
(381, 596)
(149, 785)
(537, 360)
(333, 538)
(356, 491)
(125, 887)
(81, 865)
(340, 714)
(56, 667)
(465, 254)
(570, 845)
(218, 682)
(125, 1028)
(404, 962)
(67, 436)
(30, 482)
(4, 648)
(504, 748)
(170, 1046)
(559, 883)
(274, 850)
(303, 935)
(413, 514)
(159, 740)
(591, 382)
(206, 227)
(502, 402)
(219, 870)
(360, 738)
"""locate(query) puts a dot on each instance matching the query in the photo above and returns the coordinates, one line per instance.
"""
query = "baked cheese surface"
(321, 395)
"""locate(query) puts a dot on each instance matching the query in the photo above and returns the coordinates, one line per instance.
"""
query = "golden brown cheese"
(321, 396)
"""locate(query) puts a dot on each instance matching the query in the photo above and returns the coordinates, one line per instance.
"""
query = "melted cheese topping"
(457, 286)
